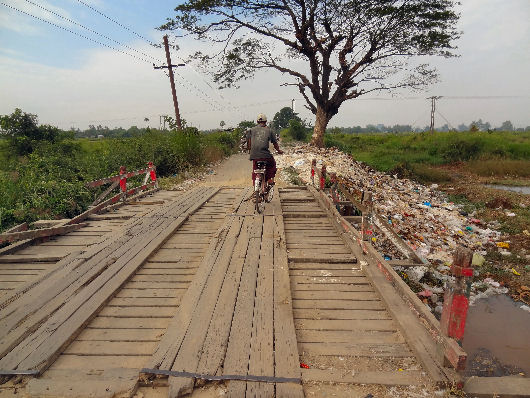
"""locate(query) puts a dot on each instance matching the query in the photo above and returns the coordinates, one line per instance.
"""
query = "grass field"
(486, 153)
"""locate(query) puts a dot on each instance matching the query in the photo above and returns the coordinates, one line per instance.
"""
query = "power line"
(117, 23)
(77, 34)
(209, 101)
(92, 30)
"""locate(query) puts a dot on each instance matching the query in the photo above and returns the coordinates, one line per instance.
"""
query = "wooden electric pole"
(172, 80)
(433, 109)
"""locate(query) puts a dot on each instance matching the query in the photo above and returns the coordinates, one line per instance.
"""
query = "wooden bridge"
(178, 290)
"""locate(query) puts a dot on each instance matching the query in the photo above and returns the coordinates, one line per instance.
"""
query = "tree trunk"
(321, 123)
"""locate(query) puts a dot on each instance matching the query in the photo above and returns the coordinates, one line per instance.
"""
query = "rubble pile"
(422, 216)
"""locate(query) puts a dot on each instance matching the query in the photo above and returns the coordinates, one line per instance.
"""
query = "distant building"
(100, 136)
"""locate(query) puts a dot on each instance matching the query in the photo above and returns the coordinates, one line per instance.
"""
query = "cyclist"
(258, 139)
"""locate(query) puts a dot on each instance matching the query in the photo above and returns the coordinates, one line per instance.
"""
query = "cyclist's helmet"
(262, 118)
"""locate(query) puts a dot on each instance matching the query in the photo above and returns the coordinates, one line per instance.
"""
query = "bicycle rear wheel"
(259, 199)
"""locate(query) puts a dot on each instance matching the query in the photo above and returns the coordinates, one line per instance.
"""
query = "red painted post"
(313, 167)
(323, 177)
(456, 298)
(123, 181)
(153, 171)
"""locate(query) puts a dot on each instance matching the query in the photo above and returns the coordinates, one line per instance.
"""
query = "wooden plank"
(144, 301)
(323, 266)
(261, 356)
(215, 339)
(138, 312)
(323, 260)
(128, 323)
(127, 291)
(327, 273)
(48, 271)
(425, 348)
(355, 350)
(129, 335)
(385, 378)
(237, 352)
(286, 359)
(158, 285)
(349, 336)
(339, 304)
(17, 228)
(64, 325)
(326, 295)
(334, 324)
(167, 271)
(162, 278)
(302, 313)
(29, 258)
(167, 350)
(83, 362)
(109, 348)
(354, 280)
(335, 287)
(39, 233)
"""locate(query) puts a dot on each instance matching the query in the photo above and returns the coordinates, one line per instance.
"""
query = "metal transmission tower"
(433, 109)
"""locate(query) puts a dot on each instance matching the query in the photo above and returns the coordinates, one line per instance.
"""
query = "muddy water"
(523, 190)
(497, 338)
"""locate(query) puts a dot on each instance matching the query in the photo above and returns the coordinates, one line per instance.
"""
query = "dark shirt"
(260, 137)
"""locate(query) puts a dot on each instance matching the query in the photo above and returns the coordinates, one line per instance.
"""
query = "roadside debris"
(421, 215)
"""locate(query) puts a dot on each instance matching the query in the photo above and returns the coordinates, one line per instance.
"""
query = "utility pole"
(172, 81)
(433, 109)
(292, 104)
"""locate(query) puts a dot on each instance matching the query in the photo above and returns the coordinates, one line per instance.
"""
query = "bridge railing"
(449, 332)
(150, 182)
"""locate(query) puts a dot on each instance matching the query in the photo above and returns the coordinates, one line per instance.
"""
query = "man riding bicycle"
(258, 139)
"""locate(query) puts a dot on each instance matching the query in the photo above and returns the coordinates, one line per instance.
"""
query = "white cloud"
(16, 21)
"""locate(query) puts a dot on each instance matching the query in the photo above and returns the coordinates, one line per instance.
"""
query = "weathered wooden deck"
(186, 287)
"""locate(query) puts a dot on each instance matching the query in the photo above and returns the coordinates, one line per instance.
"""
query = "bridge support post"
(323, 177)
(123, 182)
(456, 304)
(313, 168)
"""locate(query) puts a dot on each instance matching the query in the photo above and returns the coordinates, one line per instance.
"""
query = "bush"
(297, 130)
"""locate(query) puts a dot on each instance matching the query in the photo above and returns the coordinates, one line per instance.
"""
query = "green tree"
(281, 118)
(507, 126)
(245, 124)
(349, 47)
(297, 130)
(24, 133)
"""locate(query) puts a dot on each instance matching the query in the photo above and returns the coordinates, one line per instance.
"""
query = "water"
(497, 338)
(523, 190)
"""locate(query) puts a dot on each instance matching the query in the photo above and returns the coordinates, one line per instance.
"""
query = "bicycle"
(263, 192)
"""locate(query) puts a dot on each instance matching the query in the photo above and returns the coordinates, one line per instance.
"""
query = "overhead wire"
(117, 23)
(76, 33)
(92, 30)
(211, 100)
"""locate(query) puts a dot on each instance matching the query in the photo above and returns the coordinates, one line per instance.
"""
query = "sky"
(71, 76)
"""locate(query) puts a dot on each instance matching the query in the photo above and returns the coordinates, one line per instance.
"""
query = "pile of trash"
(421, 215)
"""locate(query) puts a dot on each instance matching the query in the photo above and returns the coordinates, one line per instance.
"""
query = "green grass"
(386, 151)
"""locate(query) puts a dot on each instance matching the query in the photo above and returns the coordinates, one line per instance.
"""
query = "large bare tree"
(336, 50)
